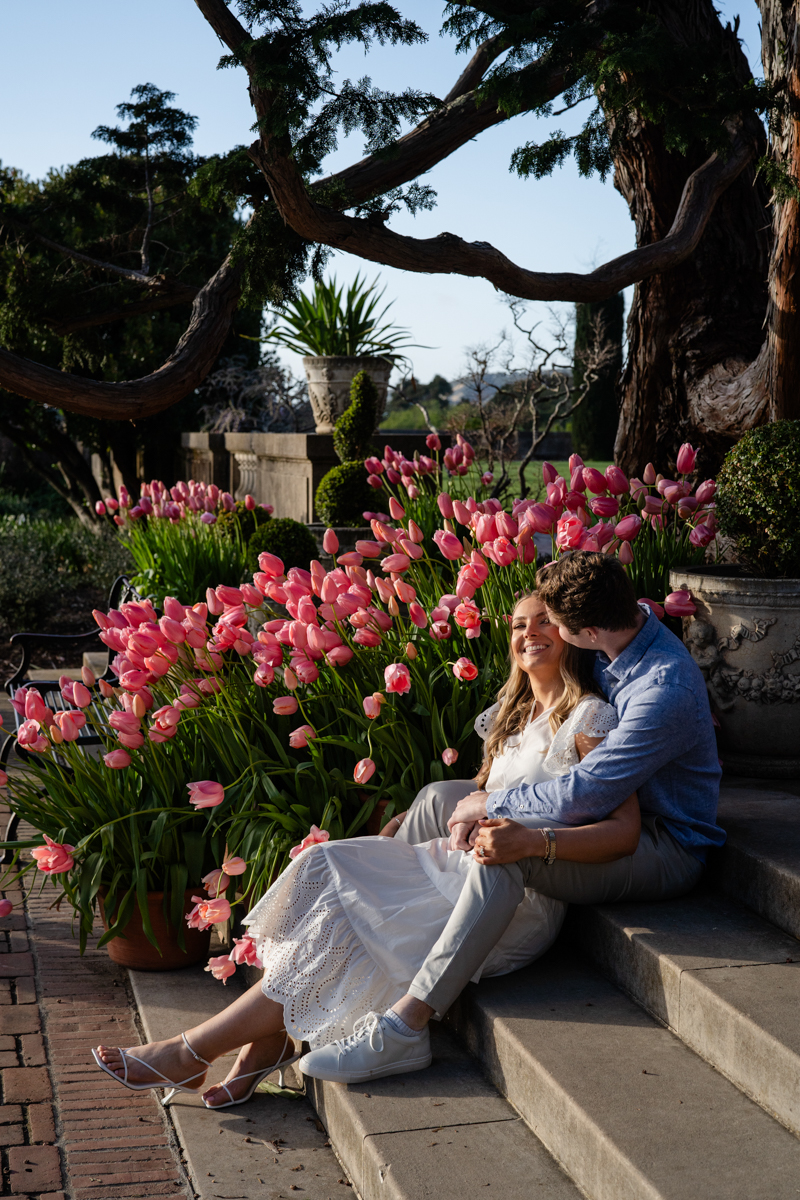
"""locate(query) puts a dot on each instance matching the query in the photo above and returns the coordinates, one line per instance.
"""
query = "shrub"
(344, 494)
(355, 427)
(45, 561)
(293, 543)
(758, 498)
(248, 520)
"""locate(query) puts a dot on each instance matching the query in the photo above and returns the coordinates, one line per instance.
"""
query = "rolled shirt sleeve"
(654, 723)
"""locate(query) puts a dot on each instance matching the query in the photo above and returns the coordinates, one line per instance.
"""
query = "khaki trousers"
(660, 869)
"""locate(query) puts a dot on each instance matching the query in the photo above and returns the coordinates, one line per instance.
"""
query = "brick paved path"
(68, 1132)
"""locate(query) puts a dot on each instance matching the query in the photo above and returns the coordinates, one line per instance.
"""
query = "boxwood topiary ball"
(247, 520)
(293, 542)
(344, 494)
(758, 499)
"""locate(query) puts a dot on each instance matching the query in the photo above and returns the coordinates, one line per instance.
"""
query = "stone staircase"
(653, 1054)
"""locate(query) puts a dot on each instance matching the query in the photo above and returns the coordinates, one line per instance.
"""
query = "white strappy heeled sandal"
(256, 1076)
(162, 1081)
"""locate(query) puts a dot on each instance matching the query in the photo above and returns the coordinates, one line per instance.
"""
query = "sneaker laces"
(367, 1026)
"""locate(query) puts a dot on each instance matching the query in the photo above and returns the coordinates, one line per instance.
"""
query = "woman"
(346, 926)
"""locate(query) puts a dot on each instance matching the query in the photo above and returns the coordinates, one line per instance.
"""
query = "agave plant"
(334, 322)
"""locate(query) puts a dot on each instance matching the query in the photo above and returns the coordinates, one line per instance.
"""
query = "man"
(664, 748)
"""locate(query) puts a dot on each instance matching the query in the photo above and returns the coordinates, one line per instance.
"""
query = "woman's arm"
(616, 836)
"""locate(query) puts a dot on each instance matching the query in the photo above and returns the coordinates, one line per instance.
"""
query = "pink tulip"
(461, 513)
(216, 881)
(501, 551)
(417, 614)
(6, 907)
(363, 771)
(70, 723)
(54, 858)
(131, 741)
(616, 481)
(81, 695)
(445, 504)
(625, 554)
(206, 913)
(234, 866)
(350, 559)
(298, 738)
(221, 967)
(487, 478)
(373, 466)
(30, 736)
(594, 480)
(231, 597)
(605, 506)
(270, 564)
(284, 706)
(3, 778)
(701, 536)
(124, 722)
(132, 681)
(314, 837)
(249, 502)
(569, 532)
(339, 656)
(440, 631)
(706, 491)
(680, 604)
(396, 510)
(372, 705)
(628, 528)
(330, 542)
(464, 669)
(433, 442)
(449, 756)
(35, 707)
(396, 563)
(449, 545)
(244, 952)
(289, 679)
(206, 793)
(228, 502)
(397, 678)
(369, 549)
(468, 616)
(100, 508)
(117, 760)
(687, 457)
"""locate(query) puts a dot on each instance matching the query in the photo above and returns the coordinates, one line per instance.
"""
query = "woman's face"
(536, 645)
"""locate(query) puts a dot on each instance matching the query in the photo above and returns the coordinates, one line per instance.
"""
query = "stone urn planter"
(329, 379)
(745, 637)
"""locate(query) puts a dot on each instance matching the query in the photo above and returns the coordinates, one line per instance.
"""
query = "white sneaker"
(372, 1050)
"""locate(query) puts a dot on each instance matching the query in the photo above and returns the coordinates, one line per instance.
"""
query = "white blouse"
(536, 755)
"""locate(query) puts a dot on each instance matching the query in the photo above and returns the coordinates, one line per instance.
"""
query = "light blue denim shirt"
(664, 748)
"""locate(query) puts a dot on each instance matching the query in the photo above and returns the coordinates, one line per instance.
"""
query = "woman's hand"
(502, 841)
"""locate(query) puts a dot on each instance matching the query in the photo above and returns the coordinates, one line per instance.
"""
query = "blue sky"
(67, 66)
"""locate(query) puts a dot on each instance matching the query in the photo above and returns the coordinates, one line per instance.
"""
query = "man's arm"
(657, 724)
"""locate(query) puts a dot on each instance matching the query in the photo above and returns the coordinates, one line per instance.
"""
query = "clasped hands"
(500, 840)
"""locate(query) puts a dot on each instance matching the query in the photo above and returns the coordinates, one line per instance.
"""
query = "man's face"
(586, 639)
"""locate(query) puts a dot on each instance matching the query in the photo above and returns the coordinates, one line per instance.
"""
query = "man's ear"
(592, 632)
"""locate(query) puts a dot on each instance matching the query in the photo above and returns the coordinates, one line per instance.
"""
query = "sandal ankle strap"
(198, 1057)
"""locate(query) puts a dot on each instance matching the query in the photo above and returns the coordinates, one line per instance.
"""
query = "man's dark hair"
(585, 588)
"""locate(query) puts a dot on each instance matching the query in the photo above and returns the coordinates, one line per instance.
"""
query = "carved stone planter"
(745, 637)
(329, 379)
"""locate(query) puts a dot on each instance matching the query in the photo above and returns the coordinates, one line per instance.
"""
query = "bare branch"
(429, 424)
(476, 68)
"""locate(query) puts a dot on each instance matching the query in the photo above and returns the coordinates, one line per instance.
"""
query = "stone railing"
(285, 469)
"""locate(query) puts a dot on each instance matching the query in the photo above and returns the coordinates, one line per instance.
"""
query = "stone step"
(720, 976)
(620, 1101)
(759, 864)
(441, 1133)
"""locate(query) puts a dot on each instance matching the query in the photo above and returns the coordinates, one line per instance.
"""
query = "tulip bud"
(411, 651)
(88, 677)
(649, 476)
(139, 707)
(330, 542)
(625, 554)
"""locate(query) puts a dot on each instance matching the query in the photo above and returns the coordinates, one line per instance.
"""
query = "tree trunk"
(781, 53)
(694, 331)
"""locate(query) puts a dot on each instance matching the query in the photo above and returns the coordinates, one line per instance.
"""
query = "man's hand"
(469, 810)
(503, 841)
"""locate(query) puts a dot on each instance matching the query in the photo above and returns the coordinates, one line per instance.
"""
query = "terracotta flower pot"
(134, 949)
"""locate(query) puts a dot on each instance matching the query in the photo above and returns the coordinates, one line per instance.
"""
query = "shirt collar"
(636, 650)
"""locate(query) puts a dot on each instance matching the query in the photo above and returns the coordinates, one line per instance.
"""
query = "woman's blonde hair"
(577, 672)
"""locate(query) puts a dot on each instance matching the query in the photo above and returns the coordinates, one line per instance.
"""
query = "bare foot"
(254, 1057)
(170, 1058)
